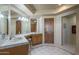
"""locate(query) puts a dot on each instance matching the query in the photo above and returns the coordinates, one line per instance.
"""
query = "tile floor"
(48, 49)
(70, 48)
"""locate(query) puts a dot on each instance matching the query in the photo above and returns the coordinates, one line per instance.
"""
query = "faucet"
(3, 36)
(11, 36)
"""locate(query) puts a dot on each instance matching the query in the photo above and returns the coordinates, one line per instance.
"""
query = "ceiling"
(3, 8)
(46, 6)
(14, 13)
(43, 9)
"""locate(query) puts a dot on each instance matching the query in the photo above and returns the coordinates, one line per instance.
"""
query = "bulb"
(19, 18)
(1, 15)
(59, 4)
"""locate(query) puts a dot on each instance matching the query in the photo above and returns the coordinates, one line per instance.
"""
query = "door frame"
(44, 25)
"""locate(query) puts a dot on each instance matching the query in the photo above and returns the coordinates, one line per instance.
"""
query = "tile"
(48, 49)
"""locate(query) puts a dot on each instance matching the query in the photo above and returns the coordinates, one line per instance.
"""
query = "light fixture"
(19, 18)
(59, 4)
(1, 15)
(35, 21)
(23, 19)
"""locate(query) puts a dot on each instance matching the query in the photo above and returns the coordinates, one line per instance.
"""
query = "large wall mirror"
(19, 24)
(4, 19)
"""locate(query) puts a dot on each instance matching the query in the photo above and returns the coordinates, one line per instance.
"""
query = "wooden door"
(49, 30)
(33, 26)
(18, 27)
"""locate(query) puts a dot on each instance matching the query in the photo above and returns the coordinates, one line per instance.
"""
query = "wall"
(68, 37)
(57, 30)
(73, 36)
(77, 34)
(25, 26)
(13, 26)
(3, 28)
(3, 25)
(40, 26)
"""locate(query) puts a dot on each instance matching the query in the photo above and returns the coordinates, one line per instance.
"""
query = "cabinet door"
(18, 50)
(4, 52)
(36, 39)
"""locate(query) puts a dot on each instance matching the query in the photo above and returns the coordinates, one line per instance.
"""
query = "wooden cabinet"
(36, 39)
(18, 50)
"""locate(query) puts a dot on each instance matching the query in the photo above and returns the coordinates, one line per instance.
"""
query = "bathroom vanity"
(19, 44)
(36, 38)
(15, 46)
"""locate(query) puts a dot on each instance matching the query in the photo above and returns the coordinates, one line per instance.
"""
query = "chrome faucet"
(11, 36)
(3, 36)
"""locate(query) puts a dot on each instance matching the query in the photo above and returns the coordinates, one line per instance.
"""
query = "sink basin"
(11, 42)
(16, 39)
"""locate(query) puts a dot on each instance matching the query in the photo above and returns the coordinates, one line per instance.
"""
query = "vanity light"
(23, 19)
(1, 15)
(19, 18)
(35, 21)
(59, 4)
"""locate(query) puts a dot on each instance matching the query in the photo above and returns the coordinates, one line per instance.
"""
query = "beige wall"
(13, 26)
(3, 25)
(77, 34)
(25, 27)
(68, 37)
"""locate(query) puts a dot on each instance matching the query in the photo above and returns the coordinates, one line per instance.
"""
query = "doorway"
(18, 27)
(33, 25)
(49, 30)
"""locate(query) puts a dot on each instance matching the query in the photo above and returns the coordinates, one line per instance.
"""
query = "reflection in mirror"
(19, 23)
(33, 25)
(3, 19)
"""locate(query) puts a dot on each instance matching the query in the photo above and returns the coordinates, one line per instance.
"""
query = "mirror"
(19, 24)
(4, 19)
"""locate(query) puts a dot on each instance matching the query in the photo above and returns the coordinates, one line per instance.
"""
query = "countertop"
(14, 42)
(21, 35)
